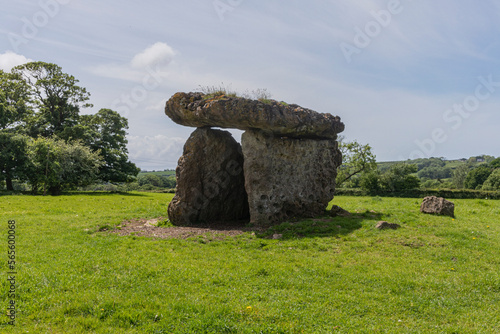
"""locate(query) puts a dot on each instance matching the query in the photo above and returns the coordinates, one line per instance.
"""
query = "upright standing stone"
(210, 183)
(288, 177)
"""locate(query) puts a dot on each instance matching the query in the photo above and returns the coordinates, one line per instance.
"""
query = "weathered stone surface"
(210, 183)
(382, 225)
(438, 206)
(287, 177)
(194, 109)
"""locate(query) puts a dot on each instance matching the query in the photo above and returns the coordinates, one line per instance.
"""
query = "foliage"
(421, 193)
(483, 158)
(434, 275)
(157, 181)
(356, 159)
(371, 182)
(210, 92)
(14, 162)
(430, 184)
(399, 177)
(57, 165)
(429, 162)
(495, 163)
(459, 175)
(55, 95)
(261, 94)
(215, 91)
(435, 173)
(106, 132)
(493, 181)
(14, 100)
(477, 177)
(40, 100)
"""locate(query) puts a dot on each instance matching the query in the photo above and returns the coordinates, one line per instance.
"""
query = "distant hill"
(442, 162)
(166, 172)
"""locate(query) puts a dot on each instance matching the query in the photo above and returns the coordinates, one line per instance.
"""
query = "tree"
(106, 132)
(14, 100)
(459, 176)
(399, 177)
(56, 97)
(370, 182)
(151, 179)
(433, 172)
(431, 184)
(477, 177)
(159, 181)
(57, 165)
(429, 162)
(493, 181)
(14, 162)
(495, 163)
(356, 159)
(39, 99)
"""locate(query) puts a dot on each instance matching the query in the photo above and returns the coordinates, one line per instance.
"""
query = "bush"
(421, 193)
(495, 163)
(157, 181)
(430, 184)
(148, 187)
(433, 172)
(477, 177)
(493, 181)
(370, 182)
(399, 177)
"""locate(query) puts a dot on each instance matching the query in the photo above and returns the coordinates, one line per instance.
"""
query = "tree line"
(47, 143)
(360, 170)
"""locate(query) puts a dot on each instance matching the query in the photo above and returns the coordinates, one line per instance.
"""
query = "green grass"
(326, 275)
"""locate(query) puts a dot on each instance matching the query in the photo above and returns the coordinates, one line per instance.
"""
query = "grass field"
(328, 275)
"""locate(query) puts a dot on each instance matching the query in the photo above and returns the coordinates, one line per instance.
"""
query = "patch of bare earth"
(148, 228)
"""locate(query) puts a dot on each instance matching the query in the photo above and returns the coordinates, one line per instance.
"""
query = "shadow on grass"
(320, 227)
(101, 193)
(324, 226)
(9, 193)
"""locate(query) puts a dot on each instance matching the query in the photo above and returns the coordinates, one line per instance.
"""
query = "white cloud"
(159, 54)
(9, 59)
(153, 61)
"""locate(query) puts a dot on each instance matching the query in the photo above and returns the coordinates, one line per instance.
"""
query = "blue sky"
(411, 78)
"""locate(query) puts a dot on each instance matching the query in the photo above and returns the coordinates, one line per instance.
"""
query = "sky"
(410, 78)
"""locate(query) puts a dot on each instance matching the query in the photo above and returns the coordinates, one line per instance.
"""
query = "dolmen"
(285, 167)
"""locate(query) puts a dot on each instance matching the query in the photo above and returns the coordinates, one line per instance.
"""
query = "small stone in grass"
(384, 225)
